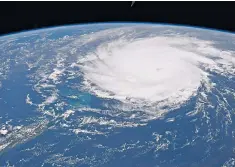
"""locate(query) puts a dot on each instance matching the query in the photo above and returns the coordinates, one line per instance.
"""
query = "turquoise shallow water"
(63, 124)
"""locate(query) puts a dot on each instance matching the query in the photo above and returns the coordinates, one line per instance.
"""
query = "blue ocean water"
(96, 134)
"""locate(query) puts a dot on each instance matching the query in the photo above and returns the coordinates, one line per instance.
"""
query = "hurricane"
(117, 94)
(152, 73)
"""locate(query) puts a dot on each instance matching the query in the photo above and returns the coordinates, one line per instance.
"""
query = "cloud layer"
(160, 71)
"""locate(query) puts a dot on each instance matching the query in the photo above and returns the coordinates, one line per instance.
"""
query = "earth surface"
(118, 94)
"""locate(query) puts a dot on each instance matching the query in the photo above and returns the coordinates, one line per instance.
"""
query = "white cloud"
(163, 70)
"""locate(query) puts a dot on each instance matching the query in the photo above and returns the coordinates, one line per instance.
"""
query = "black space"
(18, 16)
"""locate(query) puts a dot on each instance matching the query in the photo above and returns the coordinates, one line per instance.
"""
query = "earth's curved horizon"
(112, 94)
(20, 32)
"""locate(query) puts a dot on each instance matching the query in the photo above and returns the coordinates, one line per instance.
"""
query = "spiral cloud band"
(163, 70)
